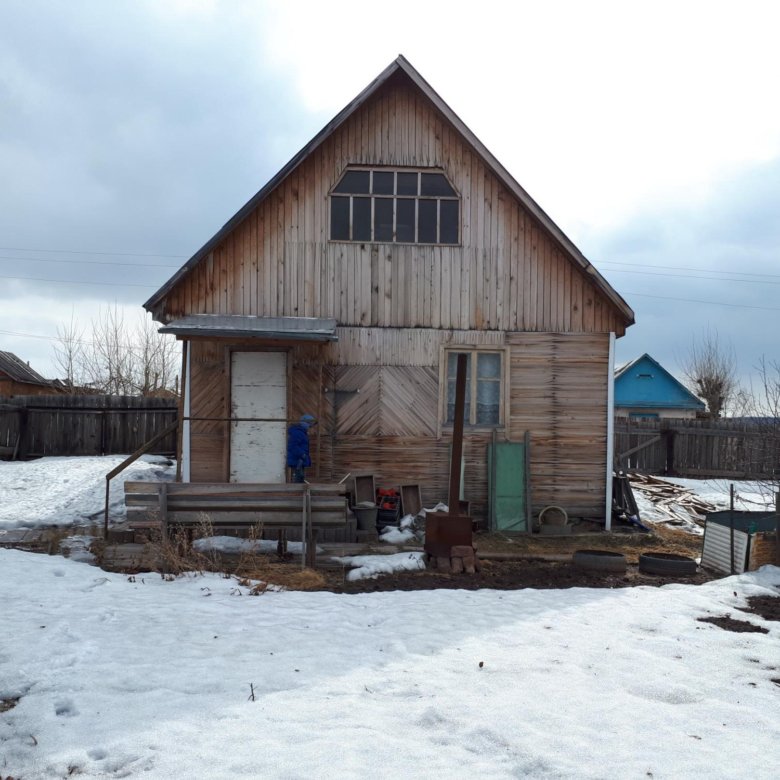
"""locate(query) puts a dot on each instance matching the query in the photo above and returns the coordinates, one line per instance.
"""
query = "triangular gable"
(402, 65)
(644, 382)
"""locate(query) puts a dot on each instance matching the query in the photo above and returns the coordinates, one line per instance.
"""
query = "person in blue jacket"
(298, 458)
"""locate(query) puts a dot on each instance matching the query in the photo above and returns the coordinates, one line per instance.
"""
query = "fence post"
(669, 437)
(19, 446)
(102, 433)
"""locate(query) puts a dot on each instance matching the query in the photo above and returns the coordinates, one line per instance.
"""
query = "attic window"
(644, 376)
(401, 206)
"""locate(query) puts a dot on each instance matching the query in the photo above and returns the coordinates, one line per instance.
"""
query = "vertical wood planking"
(507, 273)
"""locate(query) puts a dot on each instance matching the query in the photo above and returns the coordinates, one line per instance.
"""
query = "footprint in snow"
(65, 708)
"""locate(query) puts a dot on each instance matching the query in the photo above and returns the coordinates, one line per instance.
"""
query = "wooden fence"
(734, 449)
(83, 424)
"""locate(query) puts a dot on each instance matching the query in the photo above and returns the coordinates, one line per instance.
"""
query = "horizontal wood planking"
(247, 518)
(507, 274)
(383, 418)
(559, 394)
(247, 489)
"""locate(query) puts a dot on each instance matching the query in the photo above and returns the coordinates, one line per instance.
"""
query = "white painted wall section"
(258, 390)
(610, 431)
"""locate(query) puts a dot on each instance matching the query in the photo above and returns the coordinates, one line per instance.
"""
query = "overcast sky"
(131, 131)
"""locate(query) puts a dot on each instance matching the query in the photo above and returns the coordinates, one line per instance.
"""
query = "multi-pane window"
(394, 206)
(484, 382)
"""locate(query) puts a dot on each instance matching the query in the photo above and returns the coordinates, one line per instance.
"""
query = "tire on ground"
(600, 560)
(667, 564)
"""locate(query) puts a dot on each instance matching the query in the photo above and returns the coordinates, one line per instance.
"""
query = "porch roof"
(242, 326)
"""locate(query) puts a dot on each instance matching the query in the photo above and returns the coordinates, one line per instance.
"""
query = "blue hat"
(308, 419)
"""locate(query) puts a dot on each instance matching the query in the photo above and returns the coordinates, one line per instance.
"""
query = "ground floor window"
(485, 386)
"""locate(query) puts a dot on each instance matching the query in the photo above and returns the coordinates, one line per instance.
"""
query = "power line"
(74, 281)
(711, 303)
(683, 268)
(62, 340)
(692, 276)
(85, 252)
(85, 262)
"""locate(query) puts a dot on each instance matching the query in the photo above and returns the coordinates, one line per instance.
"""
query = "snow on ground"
(234, 545)
(749, 496)
(371, 566)
(138, 677)
(70, 491)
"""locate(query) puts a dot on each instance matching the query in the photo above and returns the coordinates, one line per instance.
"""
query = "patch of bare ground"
(768, 607)
(729, 623)
(631, 544)
(522, 561)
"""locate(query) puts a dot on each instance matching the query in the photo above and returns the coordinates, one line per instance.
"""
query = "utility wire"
(64, 340)
(683, 268)
(696, 300)
(75, 281)
(85, 262)
(691, 276)
(85, 252)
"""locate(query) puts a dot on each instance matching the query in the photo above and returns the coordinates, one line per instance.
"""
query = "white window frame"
(503, 404)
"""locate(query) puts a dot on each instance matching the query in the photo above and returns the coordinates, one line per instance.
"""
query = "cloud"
(724, 249)
(142, 126)
(129, 130)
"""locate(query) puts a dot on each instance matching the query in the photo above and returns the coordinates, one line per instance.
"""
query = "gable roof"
(401, 65)
(663, 391)
(19, 371)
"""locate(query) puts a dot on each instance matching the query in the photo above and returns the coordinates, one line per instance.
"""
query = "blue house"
(645, 389)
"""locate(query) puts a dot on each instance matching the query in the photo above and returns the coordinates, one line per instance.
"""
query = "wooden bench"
(236, 506)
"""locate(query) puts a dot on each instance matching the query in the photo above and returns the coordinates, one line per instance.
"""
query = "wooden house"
(644, 389)
(17, 378)
(346, 286)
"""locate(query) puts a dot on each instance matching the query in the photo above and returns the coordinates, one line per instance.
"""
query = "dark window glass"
(427, 232)
(361, 219)
(383, 182)
(404, 220)
(435, 184)
(407, 183)
(354, 182)
(383, 219)
(339, 219)
(448, 217)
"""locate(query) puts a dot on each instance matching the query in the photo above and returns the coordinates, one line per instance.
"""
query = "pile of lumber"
(679, 504)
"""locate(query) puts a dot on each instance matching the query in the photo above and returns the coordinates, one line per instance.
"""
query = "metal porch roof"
(241, 326)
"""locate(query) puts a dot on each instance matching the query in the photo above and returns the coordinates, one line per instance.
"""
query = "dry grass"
(177, 556)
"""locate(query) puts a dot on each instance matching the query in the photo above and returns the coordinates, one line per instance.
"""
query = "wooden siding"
(383, 416)
(10, 387)
(559, 394)
(209, 398)
(508, 274)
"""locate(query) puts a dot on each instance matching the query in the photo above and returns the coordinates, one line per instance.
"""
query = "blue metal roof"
(645, 383)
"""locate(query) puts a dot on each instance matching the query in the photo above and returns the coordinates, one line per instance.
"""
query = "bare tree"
(117, 358)
(711, 373)
(761, 410)
(68, 353)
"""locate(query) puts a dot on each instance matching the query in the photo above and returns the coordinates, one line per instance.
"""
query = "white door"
(258, 390)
